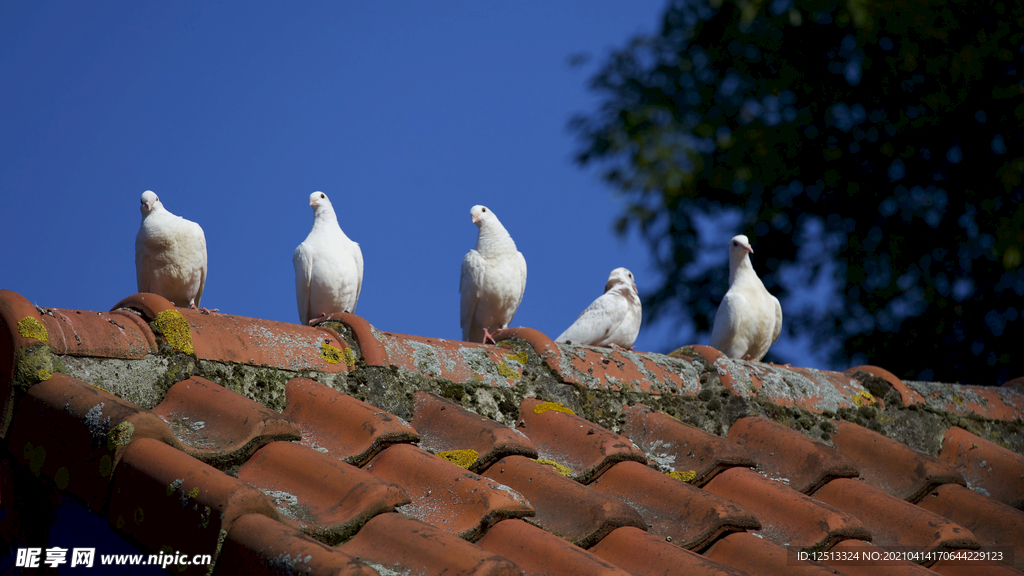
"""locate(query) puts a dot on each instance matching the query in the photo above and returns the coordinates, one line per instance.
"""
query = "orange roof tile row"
(333, 485)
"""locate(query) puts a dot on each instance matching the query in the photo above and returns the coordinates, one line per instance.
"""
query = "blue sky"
(406, 114)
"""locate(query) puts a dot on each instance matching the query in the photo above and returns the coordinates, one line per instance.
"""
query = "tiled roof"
(338, 449)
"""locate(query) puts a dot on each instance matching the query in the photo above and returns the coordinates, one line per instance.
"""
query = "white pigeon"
(170, 254)
(493, 279)
(328, 266)
(749, 319)
(611, 320)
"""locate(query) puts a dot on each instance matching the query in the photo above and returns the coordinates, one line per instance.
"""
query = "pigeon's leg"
(204, 310)
(747, 357)
(488, 336)
(318, 318)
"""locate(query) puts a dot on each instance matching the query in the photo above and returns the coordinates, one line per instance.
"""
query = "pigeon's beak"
(748, 248)
(635, 291)
(475, 218)
(312, 201)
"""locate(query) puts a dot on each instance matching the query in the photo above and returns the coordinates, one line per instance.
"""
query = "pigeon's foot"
(487, 336)
(317, 319)
(193, 306)
(747, 358)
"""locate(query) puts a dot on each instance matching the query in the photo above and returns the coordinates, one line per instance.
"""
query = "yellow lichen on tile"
(175, 330)
(863, 398)
(560, 468)
(350, 357)
(36, 456)
(521, 357)
(555, 406)
(461, 458)
(61, 478)
(120, 435)
(106, 466)
(193, 492)
(330, 353)
(44, 375)
(29, 327)
(687, 476)
(508, 372)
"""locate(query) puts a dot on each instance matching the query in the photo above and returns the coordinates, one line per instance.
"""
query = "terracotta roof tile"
(539, 552)
(586, 449)
(678, 447)
(162, 497)
(788, 456)
(319, 495)
(363, 338)
(986, 466)
(968, 568)
(339, 425)
(753, 554)
(346, 387)
(895, 522)
(219, 426)
(254, 539)
(446, 427)
(692, 517)
(788, 517)
(445, 495)
(891, 466)
(643, 554)
(75, 434)
(871, 561)
(103, 334)
(564, 507)
(405, 545)
(906, 394)
(992, 523)
(454, 360)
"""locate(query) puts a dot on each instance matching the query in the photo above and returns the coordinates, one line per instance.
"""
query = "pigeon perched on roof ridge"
(170, 254)
(492, 281)
(613, 319)
(749, 319)
(328, 266)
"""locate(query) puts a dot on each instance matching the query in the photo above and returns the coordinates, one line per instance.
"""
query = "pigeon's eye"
(484, 210)
(322, 196)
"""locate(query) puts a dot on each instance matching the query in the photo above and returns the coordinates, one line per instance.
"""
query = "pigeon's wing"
(357, 254)
(202, 276)
(473, 266)
(727, 321)
(597, 322)
(143, 267)
(303, 261)
(778, 319)
(522, 289)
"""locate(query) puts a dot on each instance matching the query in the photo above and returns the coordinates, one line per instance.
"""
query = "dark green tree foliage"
(878, 145)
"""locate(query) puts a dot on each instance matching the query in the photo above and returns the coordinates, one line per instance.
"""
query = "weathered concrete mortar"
(704, 401)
